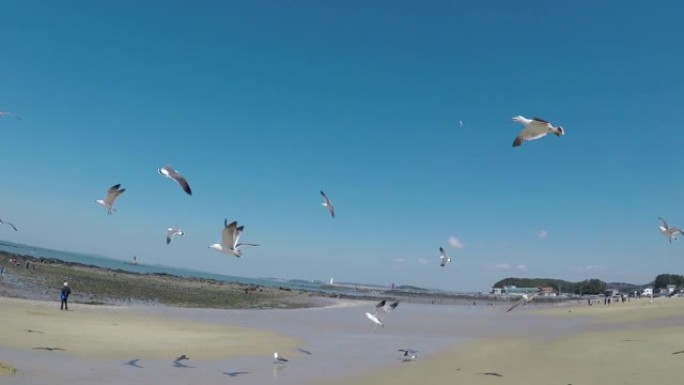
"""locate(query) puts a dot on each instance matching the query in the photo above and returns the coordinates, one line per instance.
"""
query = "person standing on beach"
(66, 290)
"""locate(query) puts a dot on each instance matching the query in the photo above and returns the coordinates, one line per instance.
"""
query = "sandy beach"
(625, 343)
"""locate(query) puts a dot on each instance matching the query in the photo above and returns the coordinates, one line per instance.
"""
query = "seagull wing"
(8, 223)
(180, 179)
(516, 304)
(113, 193)
(169, 234)
(228, 234)
(328, 204)
(444, 258)
(664, 223)
(540, 120)
(391, 306)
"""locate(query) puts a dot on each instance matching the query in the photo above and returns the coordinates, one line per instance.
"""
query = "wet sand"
(625, 343)
(616, 344)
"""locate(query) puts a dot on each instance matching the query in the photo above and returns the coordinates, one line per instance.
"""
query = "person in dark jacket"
(66, 290)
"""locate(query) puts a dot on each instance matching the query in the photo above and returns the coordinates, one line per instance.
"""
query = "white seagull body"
(3, 113)
(170, 173)
(278, 359)
(526, 298)
(374, 319)
(111, 196)
(230, 236)
(444, 258)
(535, 128)
(8, 224)
(669, 232)
(172, 232)
(328, 204)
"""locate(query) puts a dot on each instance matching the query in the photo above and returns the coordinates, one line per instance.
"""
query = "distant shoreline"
(94, 284)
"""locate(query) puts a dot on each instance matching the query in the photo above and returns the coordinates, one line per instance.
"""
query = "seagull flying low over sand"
(328, 204)
(8, 224)
(535, 128)
(278, 359)
(229, 239)
(409, 354)
(444, 258)
(3, 113)
(172, 232)
(669, 232)
(381, 308)
(169, 172)
(181, 358)
(526, 298)
(111, 196)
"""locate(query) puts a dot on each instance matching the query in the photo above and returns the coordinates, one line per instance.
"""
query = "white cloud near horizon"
(542, 234)
(399, 260)
(521, 267)
(423, 261)
(455, 242)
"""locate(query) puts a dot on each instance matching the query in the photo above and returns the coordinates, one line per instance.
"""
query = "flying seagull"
(409, 354)
(8, 224)
(526, 298)
(328, 204)
(535, 128)
(460, 123)
(3, 113)
(444, 258)
(169, 172)
(113, 193)
(381, 308)
(669, 232)
(229, 239)
(172, 232)
(278, 359)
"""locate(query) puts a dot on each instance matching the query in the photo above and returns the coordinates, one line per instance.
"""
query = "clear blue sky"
(261, 104)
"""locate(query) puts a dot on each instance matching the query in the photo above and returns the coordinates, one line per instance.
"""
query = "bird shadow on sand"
(679, 352)
(177, 364)
(133, 363)
(33, 331)
(49, 349)
(491, 374)
(303, 351)
(234, 374)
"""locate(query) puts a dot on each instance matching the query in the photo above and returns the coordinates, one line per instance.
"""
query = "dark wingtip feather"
(517, 142)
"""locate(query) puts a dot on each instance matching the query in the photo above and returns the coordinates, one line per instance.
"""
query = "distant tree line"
(662, 280)
(588, 286)
(591, 286)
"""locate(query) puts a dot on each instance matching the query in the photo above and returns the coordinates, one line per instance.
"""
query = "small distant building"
(671, 289)
(512, 290)
(548, 291)
(647, 292)
(611, 293)
(496, 291)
